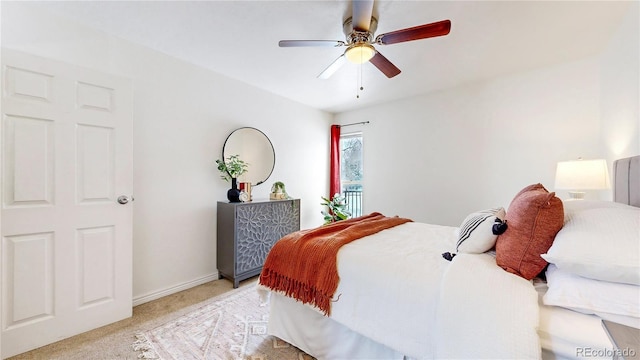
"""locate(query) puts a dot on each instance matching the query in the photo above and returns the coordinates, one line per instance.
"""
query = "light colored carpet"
(230, 326)
(114, 341)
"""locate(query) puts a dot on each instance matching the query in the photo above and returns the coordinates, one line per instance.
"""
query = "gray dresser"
(247, 231)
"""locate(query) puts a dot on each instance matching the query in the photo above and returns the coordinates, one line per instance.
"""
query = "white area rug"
(230, 326)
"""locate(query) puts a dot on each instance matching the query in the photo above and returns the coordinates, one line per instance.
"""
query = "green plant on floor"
(232, 168)
(336, 209)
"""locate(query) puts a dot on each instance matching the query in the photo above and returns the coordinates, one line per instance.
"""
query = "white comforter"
(396, 289)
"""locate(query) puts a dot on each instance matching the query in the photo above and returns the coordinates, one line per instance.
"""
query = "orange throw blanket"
(303, 264)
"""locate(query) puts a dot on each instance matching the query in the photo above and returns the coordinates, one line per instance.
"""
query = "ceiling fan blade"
(415, 33)
(335, 65)
(384, 65)
(310, 43)
(362, 12)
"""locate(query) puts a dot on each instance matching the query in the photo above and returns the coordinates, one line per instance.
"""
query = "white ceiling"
(240, 39)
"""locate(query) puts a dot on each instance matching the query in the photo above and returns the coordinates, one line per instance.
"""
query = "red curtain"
(334, 175)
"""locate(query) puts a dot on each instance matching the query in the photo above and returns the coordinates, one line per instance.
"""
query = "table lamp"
(579, 175)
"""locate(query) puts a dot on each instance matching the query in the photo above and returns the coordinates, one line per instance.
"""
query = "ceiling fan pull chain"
(359, 82)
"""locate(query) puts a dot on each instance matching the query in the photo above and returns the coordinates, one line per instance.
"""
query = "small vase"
(233, 194)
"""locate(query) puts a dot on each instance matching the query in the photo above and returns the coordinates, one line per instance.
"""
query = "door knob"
(123, 199)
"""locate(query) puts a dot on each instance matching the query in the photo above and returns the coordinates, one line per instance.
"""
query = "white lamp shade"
(582, 175)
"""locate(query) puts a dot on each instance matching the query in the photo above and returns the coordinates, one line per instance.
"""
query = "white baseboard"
(139, 300)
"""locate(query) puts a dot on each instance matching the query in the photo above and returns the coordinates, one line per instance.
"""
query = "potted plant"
(278, 191)
(232, 168)
(337, 209)
(230, 171)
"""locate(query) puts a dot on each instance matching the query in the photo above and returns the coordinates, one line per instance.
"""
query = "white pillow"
(475, 235)
(574, 206)
(599, 243)
(591, 296)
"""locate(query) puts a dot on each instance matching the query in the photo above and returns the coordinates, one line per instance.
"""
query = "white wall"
(435, 158)
(620, 89)
(182, 116)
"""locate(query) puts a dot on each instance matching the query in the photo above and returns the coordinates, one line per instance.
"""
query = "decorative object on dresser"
(278, 191)
(231, 169)
(245, 191)
(247, 231)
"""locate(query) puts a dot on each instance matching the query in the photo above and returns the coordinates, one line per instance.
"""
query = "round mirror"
(253, 147)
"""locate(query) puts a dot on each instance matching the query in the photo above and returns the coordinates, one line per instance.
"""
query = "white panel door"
(66, 254)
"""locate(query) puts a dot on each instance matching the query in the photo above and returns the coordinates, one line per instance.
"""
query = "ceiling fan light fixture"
(359, 53)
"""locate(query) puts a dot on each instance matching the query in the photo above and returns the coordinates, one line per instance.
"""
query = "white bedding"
(478, 304)
(563, 333)
(397, 290)
(389, 285)
(567, 334)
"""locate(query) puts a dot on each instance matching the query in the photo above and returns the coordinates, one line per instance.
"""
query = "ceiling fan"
(359, 30)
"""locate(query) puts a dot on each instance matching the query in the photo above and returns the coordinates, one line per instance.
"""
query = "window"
(351, 172)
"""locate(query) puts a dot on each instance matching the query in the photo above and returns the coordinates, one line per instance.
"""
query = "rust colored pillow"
(534, 218)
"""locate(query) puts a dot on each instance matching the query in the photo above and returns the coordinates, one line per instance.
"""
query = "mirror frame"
(273, 151)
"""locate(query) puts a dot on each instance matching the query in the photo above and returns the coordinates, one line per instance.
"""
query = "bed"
(421, 291)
